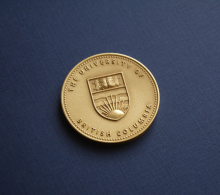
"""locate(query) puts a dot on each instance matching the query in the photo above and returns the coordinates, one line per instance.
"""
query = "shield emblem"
(109, 95)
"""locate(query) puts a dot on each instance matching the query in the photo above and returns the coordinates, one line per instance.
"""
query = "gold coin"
(110, 98)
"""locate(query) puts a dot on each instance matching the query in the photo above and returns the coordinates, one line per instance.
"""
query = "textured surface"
(41, 41)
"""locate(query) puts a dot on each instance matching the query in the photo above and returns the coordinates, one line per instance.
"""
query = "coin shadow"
(82, 141)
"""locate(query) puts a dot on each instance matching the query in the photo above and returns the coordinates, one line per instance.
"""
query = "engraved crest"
(109, 95)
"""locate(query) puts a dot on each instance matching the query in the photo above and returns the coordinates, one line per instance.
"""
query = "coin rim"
(139, 133)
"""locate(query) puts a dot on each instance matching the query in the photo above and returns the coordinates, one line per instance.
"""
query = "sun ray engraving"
(103, 110)
(109, 103)
(112, 103)
(107, 106)
(119, 103)
(114, 109)
(116, 102)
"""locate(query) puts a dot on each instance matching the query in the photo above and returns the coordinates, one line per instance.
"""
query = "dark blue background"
(41, 41)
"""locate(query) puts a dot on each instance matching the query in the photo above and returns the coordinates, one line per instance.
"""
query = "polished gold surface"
(110, 98)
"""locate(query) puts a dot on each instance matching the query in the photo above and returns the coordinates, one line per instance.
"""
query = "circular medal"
(110, 98)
